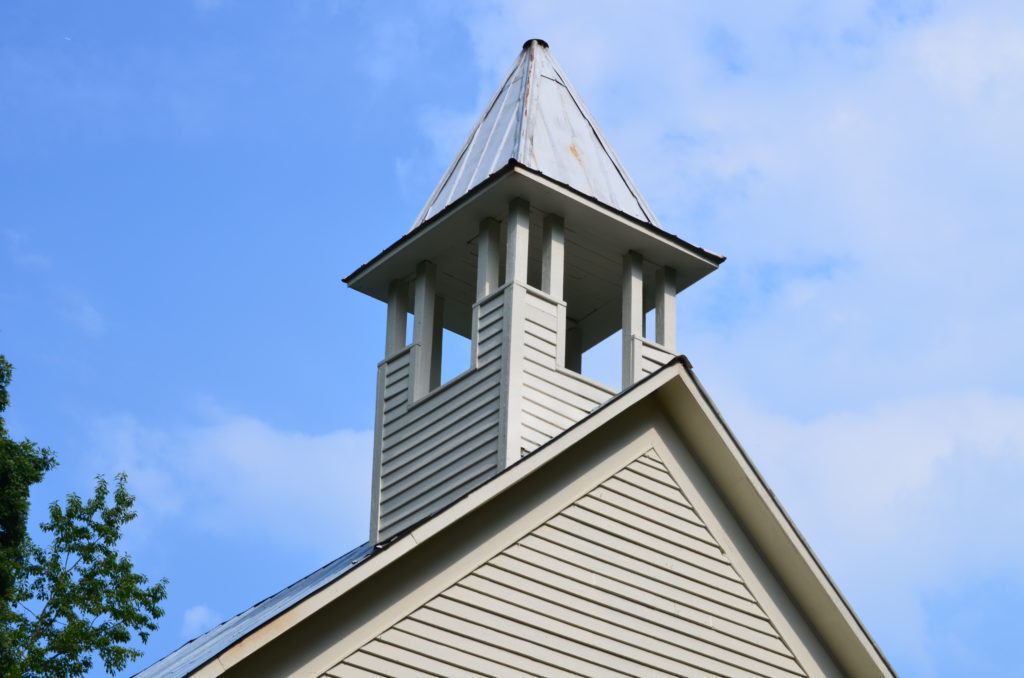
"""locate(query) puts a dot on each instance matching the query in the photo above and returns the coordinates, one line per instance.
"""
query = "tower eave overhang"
(449, 240)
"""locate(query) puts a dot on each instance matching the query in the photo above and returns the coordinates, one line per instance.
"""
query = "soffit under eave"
(595, 236)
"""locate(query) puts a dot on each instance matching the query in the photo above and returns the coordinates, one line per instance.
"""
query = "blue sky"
(183, 184)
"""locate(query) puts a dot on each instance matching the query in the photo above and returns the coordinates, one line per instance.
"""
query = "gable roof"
(539, 121)
(690, 409)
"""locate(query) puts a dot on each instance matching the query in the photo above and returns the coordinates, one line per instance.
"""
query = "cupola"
(535, 245)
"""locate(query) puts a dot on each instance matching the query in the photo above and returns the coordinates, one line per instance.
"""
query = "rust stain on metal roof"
(538, 120)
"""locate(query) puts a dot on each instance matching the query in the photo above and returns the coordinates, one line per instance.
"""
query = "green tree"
(64, 603)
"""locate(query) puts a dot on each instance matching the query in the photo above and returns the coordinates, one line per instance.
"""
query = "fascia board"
(770, 527)
(476, 204)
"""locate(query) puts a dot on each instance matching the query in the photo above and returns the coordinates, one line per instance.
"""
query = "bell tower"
(535, 246)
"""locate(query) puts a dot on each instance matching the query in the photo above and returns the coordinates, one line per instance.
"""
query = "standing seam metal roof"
(538, 120)
(198, 651)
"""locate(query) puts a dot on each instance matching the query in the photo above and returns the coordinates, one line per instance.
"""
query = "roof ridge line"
(467, 143)
(605, 145)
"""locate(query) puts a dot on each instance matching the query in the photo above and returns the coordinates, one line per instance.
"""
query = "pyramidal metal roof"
(537, 119)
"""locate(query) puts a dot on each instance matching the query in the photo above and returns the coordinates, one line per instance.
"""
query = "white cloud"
(238, 478)
(971, 57)
(902, 502)
(870, 222)
(859, 163)
(81, 313)
(20, 253)
(198, 619)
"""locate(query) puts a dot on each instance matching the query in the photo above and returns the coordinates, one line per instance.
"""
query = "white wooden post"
(423, 334)
(632, 316)
(552, 279)
(436, 350)
(488, 274)
(398, 312)
(517, 236)
(488, 258)
(665, 308)
(553, 257)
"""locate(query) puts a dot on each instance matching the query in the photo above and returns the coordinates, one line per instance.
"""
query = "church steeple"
(536, 246)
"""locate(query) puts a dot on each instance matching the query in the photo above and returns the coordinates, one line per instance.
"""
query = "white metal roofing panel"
(537, 119)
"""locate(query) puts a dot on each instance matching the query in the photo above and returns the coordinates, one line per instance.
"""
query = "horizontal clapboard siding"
(490, 322)
(553, 398)
(435, 450)
(653, 356)
(627, 581)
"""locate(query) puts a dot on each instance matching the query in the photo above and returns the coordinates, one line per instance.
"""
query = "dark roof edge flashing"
(511, 165)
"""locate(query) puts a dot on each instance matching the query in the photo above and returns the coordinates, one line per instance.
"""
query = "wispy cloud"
(198, 619)
(20, 252)
(239, 478)
(81, 313)
(859, 163)
(904, 502)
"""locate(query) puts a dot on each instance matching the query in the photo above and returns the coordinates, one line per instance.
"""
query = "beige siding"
(553, 398)
(653, 356)
(626, 581)
(435, 449)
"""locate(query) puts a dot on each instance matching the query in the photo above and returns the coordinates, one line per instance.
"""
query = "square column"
(665, 308)
(426, 331)
(632, 316)
(488, 258)
(398, 313)
(552, 279)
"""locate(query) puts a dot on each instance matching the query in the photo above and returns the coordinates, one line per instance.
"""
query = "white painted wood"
(519, 522)
(665, 308)
(397, 648)
(487, 321)
(553, 257)
(552, 398)
(439, 438)
(486, 650)
(423, 334)
(434, 447)
(476, 433)
(657, 588)
(510, 436)
(398, 313)
(433, 489)
(652, 356)
(418, 424)
(625, 621)
(632, 315)
(517, 241)
(488, 258)
(627, 580)
(436, 339)
(378, 444)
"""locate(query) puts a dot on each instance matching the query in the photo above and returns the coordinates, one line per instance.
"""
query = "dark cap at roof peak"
(542, 43)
